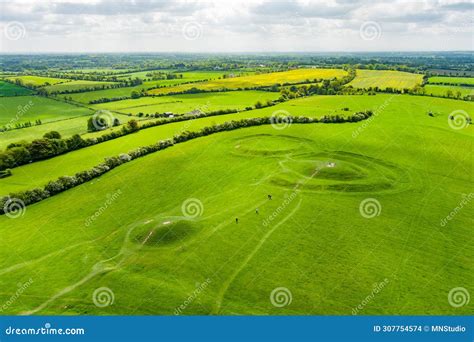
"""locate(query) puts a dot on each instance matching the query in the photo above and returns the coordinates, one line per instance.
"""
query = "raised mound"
(165, 233)
(268, 144)
(340, 171)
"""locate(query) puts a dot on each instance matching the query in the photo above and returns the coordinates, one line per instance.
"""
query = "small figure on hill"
(269, 197)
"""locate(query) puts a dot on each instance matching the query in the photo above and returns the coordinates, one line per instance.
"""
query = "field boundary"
(64, 183)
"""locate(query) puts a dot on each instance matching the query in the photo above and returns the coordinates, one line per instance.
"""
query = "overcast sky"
(235, 25)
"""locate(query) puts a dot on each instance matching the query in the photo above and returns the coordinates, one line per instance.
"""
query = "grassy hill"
(153, 252)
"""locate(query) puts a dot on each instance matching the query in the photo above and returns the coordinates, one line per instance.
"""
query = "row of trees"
(52, 144)
(66, 182)
(19, 125)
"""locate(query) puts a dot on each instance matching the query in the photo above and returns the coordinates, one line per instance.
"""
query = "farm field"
(21, 109)
(205, 102)
(442, 90)
(385, 78)
(153, 255)
(451, 80)
(327, 191)
(66, 127)
(315, 106)
(37, 81)
(76, 85)
(126, 91)
(9, 89)
(266, 79)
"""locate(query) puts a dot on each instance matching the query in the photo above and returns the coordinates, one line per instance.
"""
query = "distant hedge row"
(21, 153)
(66, 182)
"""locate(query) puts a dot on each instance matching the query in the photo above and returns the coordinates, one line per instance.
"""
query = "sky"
(32, 26)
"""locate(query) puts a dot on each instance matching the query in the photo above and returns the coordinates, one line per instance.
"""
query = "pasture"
(37, 81)
(76, 85)
(451, 80)
(205, 102)
(126, 91)
(9, 89)
(315, 106)
(258, 80)
(21, 109)
(385, 78)
(445, 90)
(153, 252)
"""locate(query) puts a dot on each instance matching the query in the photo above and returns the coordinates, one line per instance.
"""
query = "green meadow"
(20, 109)
(76, 85)
(445, 90)
(126, 91)
(451, 80)
(36, 81)
(323, 210)
(9, 89)
(205, 102)
(152, 254)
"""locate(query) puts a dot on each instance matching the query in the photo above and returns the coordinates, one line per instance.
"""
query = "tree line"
(64, 183)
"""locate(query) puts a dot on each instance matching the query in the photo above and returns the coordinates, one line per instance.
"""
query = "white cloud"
(236, 25)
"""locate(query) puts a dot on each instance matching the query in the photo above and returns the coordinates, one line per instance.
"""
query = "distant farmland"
(384, 79)
(293, 76)
(9, 89)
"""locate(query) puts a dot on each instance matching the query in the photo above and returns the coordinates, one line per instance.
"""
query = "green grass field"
(150, 251)
(205, 102)
(76, 85)
(442, 90)
(20, 109)
(267, 79)
(9, 89)
(37, 81)
(385, 78)
(126, 91)
(79, 160)
(451, 80)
